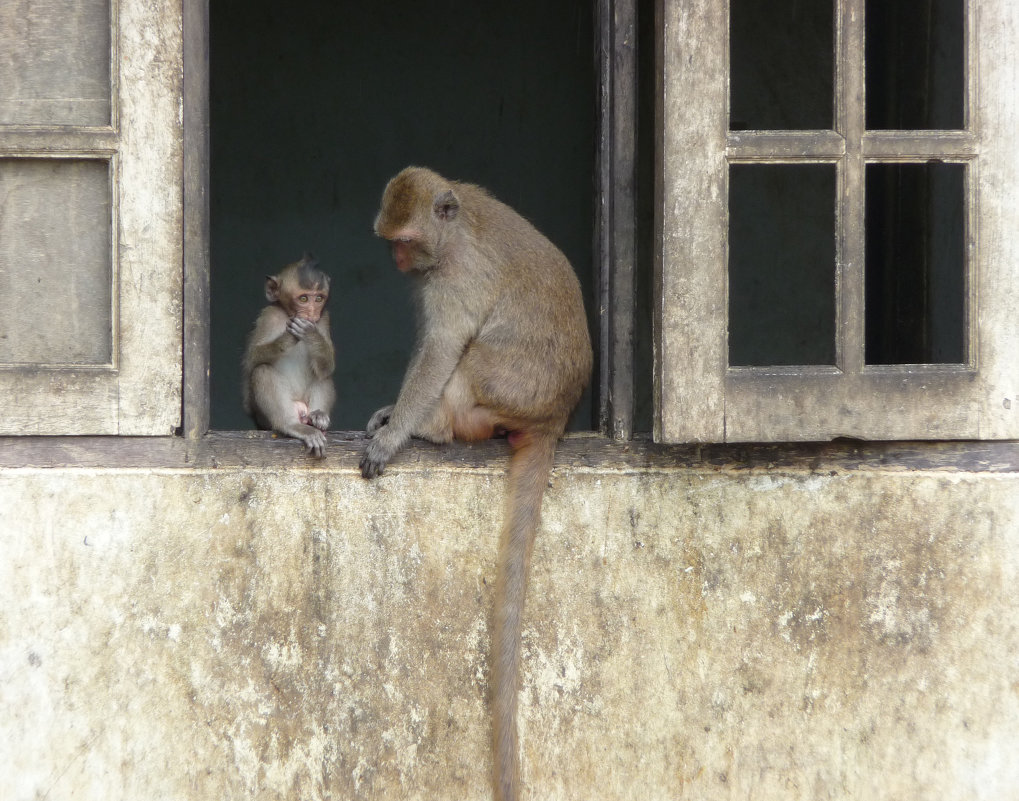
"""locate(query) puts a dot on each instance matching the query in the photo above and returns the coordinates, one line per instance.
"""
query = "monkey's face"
(406, 237)
(306, 303)
(301, 289)
(417, 207)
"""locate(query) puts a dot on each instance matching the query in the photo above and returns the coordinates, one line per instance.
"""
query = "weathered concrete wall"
(692, 632)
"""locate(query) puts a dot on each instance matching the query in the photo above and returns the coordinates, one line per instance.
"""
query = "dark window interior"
(643, 370)
(782, 65)
(915, 252)
(314, 106)
(915, 64)
(781, 264)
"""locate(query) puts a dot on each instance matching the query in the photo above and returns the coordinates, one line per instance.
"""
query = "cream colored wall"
(692, 632)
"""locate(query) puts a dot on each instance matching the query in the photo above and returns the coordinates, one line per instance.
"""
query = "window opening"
(782, 70)
(915, 252)
(915, 65)
(781, 264)
(314, 107)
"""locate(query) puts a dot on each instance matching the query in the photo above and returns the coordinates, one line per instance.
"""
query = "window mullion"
(195, 399)
(850, 121)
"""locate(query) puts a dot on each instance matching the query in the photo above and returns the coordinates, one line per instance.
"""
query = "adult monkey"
(503, 347)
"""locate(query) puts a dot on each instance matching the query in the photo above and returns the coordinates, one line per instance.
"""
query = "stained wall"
(694, 630)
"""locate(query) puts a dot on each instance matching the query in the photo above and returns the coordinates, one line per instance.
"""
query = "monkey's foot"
(319, 419)
(379, 419)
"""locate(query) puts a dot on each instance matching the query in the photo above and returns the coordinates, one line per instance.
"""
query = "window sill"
(581, 452)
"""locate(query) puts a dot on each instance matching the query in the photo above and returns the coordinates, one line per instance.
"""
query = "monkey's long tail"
(528, 476)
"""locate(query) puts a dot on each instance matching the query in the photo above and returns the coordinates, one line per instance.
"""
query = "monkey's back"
(532, 356)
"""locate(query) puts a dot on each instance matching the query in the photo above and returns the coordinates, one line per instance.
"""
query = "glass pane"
(782, 56)
(55, 63)
(781, 264)
(915, 64)
(55, 254)
(915, 263)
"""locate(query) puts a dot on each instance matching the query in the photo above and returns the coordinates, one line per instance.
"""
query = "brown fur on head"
(301, 288)
(417, 206)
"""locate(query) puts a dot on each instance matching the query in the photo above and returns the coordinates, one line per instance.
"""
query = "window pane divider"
(55, 143)
(784, 145)
(791, 370)
(912, 145)
(850, 238)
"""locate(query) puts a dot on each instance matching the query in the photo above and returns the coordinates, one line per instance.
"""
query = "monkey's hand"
(300, 327)
(383, 446)
(379, 419)
(374, 458)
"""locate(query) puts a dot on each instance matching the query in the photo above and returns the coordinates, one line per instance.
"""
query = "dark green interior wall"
(315, 105)
(643, 333)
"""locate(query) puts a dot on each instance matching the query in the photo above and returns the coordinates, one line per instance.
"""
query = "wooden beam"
(616, 221)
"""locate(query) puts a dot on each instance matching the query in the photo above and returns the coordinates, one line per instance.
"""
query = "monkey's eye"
(303, 298)
(320, 299)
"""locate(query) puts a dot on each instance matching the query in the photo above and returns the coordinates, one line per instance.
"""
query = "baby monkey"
(289, 360)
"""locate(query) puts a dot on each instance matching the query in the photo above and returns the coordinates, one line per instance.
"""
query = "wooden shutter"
(90, 217)
(700, 396)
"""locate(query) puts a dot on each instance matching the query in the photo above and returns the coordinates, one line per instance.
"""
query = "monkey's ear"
(446, 205)
(272, 288)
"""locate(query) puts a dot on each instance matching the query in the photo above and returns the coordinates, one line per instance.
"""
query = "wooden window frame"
(698, 397)
(138, 390)
(616, 217)
(195, 403)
